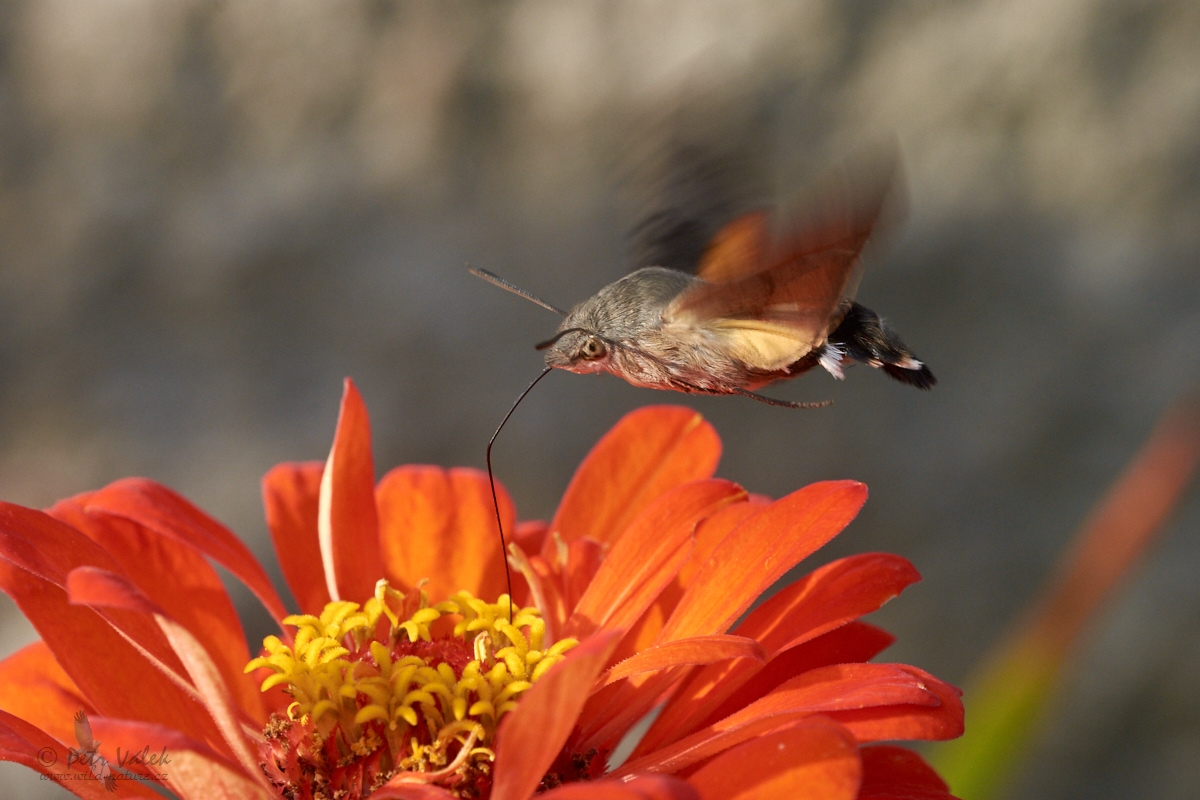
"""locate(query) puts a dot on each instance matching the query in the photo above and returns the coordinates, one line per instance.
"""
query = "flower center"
(399, 686)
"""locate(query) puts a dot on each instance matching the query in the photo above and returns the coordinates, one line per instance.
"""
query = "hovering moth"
(758, 307)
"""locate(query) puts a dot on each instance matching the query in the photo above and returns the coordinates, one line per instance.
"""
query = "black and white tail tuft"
(864, 337)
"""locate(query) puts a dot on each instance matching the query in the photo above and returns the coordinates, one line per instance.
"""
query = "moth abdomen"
(863, 336)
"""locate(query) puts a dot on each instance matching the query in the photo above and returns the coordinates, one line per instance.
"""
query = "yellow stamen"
(387, 674)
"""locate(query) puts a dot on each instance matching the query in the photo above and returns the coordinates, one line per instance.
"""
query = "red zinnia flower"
(404, 677)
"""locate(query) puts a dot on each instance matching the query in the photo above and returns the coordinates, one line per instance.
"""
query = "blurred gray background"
(212, 212)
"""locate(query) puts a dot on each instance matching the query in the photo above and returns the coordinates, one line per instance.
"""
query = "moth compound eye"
(592, 349)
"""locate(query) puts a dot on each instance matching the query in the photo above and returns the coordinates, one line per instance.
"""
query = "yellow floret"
(345, 669)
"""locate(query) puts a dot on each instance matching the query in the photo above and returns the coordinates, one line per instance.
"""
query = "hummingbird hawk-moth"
(757, 308)
(754, 309)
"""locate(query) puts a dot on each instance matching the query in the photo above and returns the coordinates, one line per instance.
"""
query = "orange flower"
(405, 677)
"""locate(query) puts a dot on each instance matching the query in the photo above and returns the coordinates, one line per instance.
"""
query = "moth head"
(576, 350)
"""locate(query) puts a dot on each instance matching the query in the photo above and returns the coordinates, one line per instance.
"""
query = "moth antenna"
(496, 280)
(492, 483)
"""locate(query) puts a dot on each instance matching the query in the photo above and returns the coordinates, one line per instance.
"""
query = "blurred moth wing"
(770, 308)
(738, 249)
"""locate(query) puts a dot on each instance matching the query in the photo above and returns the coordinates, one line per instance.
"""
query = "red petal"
(530, 534)
(348, 523)
(531, 736)
(713, 531)
(811, 759)
(828, 598)
(640, 787)
(898, 720)
(894, 773)
(759, 551)
(34, 687)
(612, 711)
(715, 692)
(697, 650)
(194, 771)
(615, 707)
(99, 588)
(832, 691)
(644, 632)
(584, 559)
(854, 642)
(817, 603)
(647, 556)
(843, 687)
(440, 524)
(22, 743)
(291, 495)
(708, 535)
(36, 553)
(648, 452)
(215, 694)
(169, 514)
(175, 576)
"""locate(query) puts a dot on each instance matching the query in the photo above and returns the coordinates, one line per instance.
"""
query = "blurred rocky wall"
(211, 212)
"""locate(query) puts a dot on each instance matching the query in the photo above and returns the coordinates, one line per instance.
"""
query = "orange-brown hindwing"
(739, 249)
(786, 306)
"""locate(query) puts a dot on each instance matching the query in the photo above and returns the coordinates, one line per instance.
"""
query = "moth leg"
(771, 401)
(691, 388)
